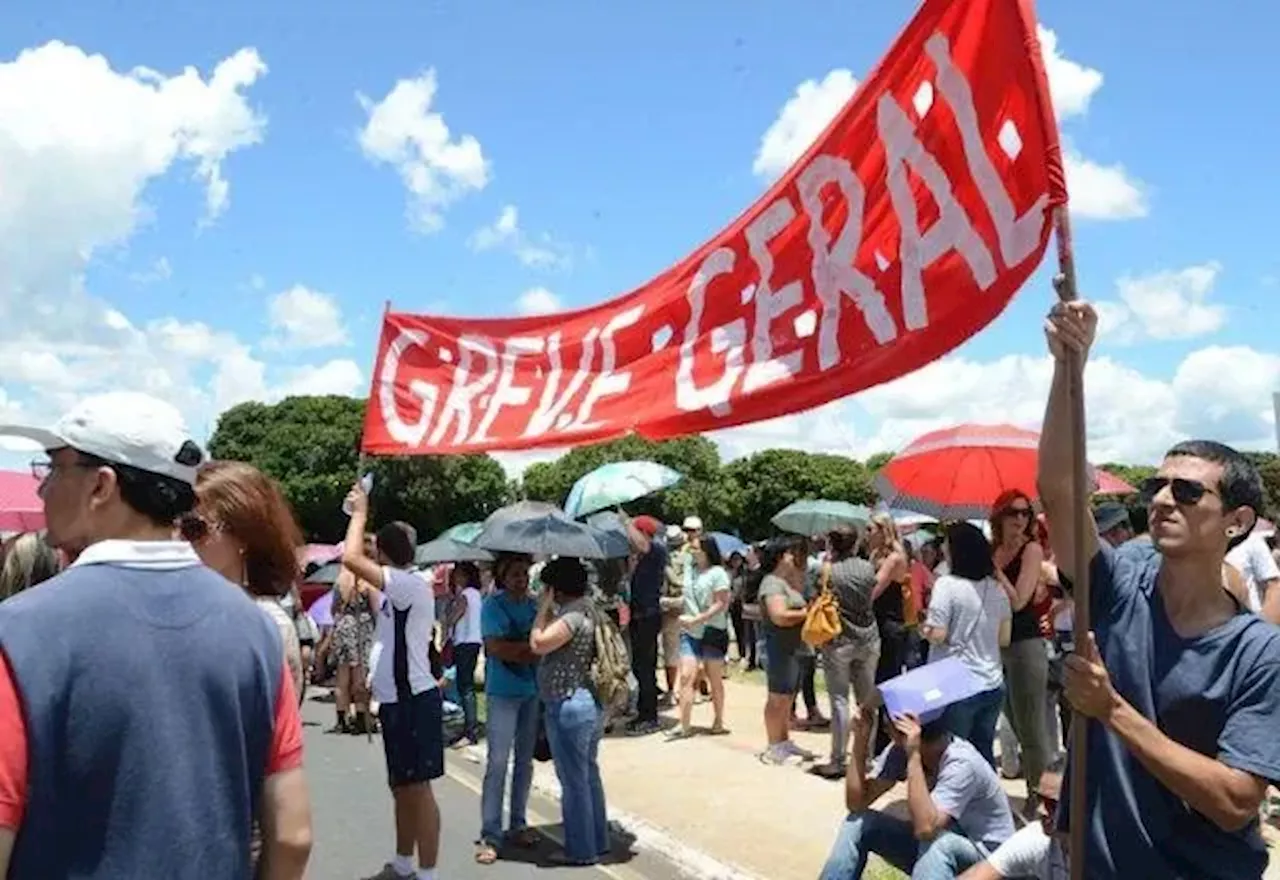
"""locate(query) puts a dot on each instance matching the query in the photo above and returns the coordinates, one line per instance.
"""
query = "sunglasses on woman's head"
(1184, 491)
(194, 528)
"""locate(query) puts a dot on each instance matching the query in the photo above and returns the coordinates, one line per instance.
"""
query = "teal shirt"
(505, 618)
(699, 593)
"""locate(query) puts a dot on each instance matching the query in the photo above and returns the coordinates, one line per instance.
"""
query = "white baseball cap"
(692, 524)
(123, 427)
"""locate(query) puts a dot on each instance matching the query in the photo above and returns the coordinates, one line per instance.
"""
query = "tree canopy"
(311, 446)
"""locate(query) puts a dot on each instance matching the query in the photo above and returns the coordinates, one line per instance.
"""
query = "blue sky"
(623, 135)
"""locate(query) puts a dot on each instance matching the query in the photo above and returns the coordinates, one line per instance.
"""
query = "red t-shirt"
(286, 745)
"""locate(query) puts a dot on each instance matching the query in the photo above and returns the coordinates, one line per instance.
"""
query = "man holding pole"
(1180, 683)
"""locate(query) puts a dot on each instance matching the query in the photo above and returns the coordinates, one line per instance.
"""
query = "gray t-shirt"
(568, 667)
(785, 639)
(966, 789)
(971, 612)
(853, 580)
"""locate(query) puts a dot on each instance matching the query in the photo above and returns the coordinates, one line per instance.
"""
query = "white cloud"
(305, 318)
(538, 301)
(402, 130)
(1071, 84)
(505, 234)
(334, 377)
(1098, 191)
(1133, 417)
(1172, 304)
(801, 120)
(160, 270)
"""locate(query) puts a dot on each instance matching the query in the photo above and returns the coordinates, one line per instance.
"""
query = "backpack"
(822, 622)
(611, 666)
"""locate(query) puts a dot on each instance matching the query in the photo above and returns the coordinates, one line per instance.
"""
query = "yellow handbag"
(822, 622)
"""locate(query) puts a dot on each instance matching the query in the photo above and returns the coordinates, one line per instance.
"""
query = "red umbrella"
(21, 508)
(1110, 484)
(958, 472)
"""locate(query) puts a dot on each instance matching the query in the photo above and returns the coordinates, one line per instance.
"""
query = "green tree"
(311, 446)
(1268, 464)
(877, 460)
(768, 481)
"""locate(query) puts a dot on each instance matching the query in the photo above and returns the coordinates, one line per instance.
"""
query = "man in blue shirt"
(1180, 683)
(511, 694)
(647, 582)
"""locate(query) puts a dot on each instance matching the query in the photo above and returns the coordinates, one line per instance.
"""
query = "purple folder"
(926, 690)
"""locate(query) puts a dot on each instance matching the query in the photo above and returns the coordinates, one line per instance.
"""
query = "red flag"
(906, 228)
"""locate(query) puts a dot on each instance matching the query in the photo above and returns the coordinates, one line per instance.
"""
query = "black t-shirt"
(647, 581)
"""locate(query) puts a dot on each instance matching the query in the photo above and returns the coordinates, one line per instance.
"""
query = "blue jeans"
(512, 727)
(944, 857)
(975, 718)
(574, 728)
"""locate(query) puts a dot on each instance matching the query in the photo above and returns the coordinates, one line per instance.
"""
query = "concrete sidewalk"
(713, 808)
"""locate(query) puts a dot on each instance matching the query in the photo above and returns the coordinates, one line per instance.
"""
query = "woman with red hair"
(1018, 557)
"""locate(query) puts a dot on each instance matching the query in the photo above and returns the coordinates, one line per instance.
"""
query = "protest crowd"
(572, 633)
(159, 635)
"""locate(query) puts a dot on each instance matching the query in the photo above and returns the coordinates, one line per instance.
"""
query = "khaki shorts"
(671, 640)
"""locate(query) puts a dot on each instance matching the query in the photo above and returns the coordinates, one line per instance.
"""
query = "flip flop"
(486, 854)
(719, 731)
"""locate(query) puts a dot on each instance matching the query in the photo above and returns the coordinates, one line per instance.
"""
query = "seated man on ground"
(1035, 852)
(958, 811)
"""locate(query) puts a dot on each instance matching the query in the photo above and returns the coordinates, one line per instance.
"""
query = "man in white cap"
(147, 718)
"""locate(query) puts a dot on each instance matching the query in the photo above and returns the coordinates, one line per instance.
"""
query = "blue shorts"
(413, 738)
(699, 649)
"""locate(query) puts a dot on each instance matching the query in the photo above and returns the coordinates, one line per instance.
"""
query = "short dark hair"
(934, 730)
(843, 542)
(397, 541)
(712, 549)
(1241, 484)
(159, 498)
(566, 575)
(970, 552)
(775, 549)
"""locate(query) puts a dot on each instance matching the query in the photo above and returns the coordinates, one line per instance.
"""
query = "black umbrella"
(613, 533)
(541, 529)
(325, 574)
(445, 549)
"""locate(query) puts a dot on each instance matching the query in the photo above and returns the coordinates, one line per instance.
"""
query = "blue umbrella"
(728, 544)
(540, 529)
(616, 483)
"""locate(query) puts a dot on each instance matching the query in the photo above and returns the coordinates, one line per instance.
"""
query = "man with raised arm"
(1180, 683)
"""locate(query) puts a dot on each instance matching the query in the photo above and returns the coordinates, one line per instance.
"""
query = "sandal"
(525, 838)
(719, 731)
(486, 853)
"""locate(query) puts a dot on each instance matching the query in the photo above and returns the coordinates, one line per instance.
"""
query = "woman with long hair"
(564, 636)
(28, 560)
(744, 628)
(782, 614)
(704, 637)
(243, 528)
(1018, 559)
(969, 619)
(888, 602)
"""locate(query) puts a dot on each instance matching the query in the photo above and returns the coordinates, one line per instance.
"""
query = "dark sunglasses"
(194, 528)
(1184, 491)
(1019, 512)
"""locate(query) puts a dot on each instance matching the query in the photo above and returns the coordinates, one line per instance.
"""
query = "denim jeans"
(974, 718)
(944, 857)
(512, 728)
(574, 728)
(464, 658)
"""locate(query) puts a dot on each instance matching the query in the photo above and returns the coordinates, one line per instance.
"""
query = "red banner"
(906, 228)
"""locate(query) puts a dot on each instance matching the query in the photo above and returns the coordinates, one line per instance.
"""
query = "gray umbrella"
(325, 574)
(613, 533)
(541, 529)
(444, 549)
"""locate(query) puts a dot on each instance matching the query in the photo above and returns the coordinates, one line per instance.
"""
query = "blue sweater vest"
(150, 704)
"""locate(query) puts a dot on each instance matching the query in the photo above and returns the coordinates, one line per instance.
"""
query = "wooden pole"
(1079, 748)
(362, 459)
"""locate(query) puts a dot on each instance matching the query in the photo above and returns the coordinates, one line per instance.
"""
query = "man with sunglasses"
(147, 718)
(1180, 683)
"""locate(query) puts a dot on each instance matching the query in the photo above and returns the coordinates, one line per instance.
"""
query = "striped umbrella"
(958, 472)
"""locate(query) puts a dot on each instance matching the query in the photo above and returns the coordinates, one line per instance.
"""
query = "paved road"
(352, 817)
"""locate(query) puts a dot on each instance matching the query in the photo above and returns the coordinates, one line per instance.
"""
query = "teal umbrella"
(464, 533)
(817, 517)
(614, 484)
